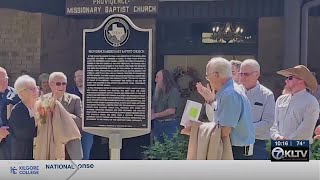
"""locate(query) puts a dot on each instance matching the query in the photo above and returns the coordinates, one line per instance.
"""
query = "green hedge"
(177, 148)
(174, 149)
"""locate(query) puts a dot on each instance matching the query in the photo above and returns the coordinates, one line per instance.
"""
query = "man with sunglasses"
(72, 103)
(262, 105)
(231, 107)
(8, 98)
(296, 113)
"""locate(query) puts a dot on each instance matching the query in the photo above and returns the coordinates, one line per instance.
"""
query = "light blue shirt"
(233, 110)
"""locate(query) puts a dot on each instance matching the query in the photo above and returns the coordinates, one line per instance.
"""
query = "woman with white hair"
(43, 81)
(21, 123)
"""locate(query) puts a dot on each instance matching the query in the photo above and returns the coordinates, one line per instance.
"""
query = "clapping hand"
(205, 92)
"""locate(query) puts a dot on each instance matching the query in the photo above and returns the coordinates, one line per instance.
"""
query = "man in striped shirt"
(262, 105)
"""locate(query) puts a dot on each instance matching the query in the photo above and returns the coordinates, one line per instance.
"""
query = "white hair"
(236, 63)
(57, 74)
(22, 82)
(220, 65)
(252, 63)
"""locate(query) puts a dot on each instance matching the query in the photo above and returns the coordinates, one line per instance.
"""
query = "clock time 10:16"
(281, 143)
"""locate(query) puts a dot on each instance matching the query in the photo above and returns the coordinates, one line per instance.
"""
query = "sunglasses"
(291, 77)
(61, 83)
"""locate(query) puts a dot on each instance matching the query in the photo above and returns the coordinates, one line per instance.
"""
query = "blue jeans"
(169, 128)
(86, 141)
(259, 150)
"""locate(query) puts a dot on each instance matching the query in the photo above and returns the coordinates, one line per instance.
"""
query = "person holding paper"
(165, 102)
(8, 97)
(262, 104)
(232, 110)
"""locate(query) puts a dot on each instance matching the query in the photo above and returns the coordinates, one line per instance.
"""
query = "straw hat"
(303, 73)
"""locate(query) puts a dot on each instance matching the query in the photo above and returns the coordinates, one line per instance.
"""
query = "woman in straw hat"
(296, 113)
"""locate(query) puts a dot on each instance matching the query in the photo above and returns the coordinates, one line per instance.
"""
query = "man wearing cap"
(296, 113)
(8, 98)
(262, 104)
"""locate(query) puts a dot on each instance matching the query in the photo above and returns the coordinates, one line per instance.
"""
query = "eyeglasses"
(30, 89)
(61, 83)
(246, 74)
(207, 76)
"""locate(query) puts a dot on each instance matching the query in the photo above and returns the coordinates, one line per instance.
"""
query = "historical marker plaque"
(117, 67)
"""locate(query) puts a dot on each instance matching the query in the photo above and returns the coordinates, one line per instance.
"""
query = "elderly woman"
(43, 81)
(21, 123)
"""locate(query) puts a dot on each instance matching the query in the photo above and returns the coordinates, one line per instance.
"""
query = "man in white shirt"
(262, 105)
(296, 113)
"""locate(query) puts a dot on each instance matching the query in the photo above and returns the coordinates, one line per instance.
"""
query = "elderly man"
(296, 113)
(231, 109)
(77, 89)
(235, 65)
(8, 98)
(72, 103)
(262, 105)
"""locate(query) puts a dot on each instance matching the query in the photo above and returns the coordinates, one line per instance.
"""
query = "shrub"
(170, 149)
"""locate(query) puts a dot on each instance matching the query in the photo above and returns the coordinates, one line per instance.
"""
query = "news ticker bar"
(140, 170)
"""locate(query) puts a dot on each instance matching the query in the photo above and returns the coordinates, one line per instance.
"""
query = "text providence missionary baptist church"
(112, 6)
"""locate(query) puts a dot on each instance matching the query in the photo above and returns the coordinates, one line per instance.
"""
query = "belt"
(166, 120)
(246, 149)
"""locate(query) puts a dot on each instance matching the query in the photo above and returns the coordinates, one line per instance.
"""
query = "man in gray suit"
(72, 103)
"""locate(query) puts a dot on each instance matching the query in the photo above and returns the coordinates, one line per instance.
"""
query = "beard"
(157, 92)
(286, 90)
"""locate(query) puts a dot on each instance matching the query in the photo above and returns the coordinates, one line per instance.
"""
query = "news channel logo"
(289, 150)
